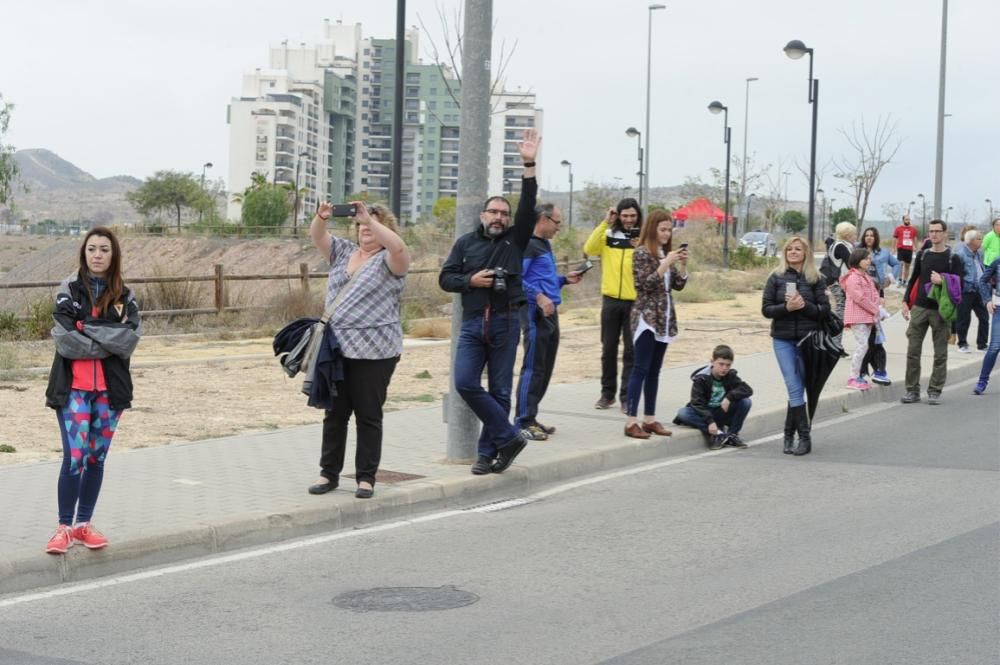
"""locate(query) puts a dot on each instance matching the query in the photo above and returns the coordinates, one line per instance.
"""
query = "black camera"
(632, 232)
(500, 280)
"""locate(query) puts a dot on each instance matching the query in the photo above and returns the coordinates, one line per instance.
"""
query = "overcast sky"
(122, 87)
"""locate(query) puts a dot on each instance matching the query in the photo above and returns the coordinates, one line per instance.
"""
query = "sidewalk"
(166, 504)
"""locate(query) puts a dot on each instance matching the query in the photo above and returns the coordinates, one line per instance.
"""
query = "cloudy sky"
(122, 87)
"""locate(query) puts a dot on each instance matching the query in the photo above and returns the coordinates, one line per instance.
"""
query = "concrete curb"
(18, 574)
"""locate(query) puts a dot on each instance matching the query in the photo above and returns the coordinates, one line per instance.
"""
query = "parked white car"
(765, 244)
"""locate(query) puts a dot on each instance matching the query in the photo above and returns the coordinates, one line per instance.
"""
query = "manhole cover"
(405, 599)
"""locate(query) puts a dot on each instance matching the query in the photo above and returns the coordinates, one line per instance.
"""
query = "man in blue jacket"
(540, 320)
(972, 260)
(484, 266)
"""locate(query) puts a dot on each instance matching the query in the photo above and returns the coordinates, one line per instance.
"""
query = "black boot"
(804, 428)
(789, 431)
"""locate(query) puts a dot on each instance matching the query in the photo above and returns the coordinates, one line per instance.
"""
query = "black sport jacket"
(476, 251)
(794, 325)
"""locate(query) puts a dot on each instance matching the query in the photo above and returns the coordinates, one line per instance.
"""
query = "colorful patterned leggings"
(87, 424)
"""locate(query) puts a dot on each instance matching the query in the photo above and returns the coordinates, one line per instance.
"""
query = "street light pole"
(632, 132)
(569, 164)
(990, 203)
(206, 165)
(716, 107)
(746, 131)
(746, 226)
(396, 181)
(644, 179)
(795, 49)
(923, 219)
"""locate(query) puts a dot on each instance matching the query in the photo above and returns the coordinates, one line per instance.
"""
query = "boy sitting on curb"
(719, 398)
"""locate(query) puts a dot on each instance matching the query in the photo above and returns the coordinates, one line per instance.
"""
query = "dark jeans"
(972, 302)
(615, 325)
(734, 418)
(541, 343)
(362, 392)
(645, 379)
(993, 350)
(491, 344)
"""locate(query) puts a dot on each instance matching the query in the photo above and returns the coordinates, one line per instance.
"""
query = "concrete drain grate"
(405, 599)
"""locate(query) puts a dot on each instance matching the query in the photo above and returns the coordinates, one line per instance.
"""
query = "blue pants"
(792, 370)
(489, 343)
(993, 350)
(645, 379)
(87, 424)
(734, 418)
(541, 343)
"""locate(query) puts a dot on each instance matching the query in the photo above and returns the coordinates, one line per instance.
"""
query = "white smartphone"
(791, 289)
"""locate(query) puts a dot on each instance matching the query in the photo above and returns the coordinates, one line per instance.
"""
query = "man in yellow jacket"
(613, 241)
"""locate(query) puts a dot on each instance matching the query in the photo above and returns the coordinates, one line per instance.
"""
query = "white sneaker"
(964, 349)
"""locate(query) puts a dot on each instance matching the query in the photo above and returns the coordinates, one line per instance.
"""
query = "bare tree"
(872, 148)
(449, 57)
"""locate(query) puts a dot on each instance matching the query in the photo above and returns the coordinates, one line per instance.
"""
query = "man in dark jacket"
(484, 266)
(720, 401)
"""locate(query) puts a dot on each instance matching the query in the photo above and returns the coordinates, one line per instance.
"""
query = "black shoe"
(323, 488)
(482, 466)
(717, 441)
(507, 454)
(734, 441)
(605, 403)
(364, 492)
(910, 398)
(546, 428)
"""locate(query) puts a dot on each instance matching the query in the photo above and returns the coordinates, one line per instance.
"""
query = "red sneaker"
(89, 537)
(60, 541)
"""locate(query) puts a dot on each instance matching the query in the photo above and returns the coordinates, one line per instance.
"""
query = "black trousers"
(972, 302)
(875, 357)
(541, 343)
(362, 392)
(615, 325)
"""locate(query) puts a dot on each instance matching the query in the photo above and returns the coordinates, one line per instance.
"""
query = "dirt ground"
(190, 388)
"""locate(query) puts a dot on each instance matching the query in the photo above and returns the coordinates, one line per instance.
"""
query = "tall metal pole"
(812, 159)
(746, 131)
(473, 181)
(939, 160)
(396, 181)
(725, 218)
(644, 178)
(570, 197)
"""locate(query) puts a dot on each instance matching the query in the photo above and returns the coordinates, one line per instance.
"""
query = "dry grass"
(430, 328)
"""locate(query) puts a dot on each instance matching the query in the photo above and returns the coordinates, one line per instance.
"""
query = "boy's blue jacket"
(701, 390)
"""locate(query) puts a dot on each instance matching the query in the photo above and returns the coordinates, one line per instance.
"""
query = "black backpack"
(833, 268)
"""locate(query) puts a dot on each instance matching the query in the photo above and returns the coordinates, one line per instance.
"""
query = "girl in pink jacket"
(860, 311)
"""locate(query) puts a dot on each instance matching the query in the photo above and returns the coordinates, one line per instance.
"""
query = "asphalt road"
(881, 548)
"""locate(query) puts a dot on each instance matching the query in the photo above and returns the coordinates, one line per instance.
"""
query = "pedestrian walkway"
(166, 504)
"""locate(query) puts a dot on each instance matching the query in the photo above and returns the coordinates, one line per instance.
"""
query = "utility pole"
(473, 181)
(396, 180)
(939, 160)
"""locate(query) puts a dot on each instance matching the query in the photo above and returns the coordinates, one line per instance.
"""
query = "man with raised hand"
(484, 266)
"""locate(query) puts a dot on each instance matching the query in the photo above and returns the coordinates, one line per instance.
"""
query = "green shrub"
(6, 448)
(10, 327)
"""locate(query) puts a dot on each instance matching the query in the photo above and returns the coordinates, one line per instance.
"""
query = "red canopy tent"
(700, 210)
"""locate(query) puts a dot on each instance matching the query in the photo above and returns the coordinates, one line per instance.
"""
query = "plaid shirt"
(366, 321)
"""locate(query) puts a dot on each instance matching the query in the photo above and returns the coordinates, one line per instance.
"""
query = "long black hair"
(625, 204)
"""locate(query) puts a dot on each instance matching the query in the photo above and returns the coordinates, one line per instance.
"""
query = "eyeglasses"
(497, 211)
(553, 219)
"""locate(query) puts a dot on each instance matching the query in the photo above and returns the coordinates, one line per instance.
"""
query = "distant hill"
(64, 192)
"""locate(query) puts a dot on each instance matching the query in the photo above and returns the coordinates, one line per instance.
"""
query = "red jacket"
(861, 298)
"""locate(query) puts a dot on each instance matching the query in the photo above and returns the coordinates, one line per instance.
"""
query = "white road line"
(246, 555)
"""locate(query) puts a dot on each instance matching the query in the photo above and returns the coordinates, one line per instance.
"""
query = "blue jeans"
(492, 345)
(993, 350)
(645, 379)
(734, 418)
(792, 371)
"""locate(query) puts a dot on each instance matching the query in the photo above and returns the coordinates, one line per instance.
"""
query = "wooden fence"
(220, 278)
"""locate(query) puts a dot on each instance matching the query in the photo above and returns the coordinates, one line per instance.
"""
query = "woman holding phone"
(795, 300)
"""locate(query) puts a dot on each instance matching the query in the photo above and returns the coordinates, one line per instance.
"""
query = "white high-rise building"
(327, 110)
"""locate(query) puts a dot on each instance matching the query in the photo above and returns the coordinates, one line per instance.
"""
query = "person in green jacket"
(991, 244)
(614, 241)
